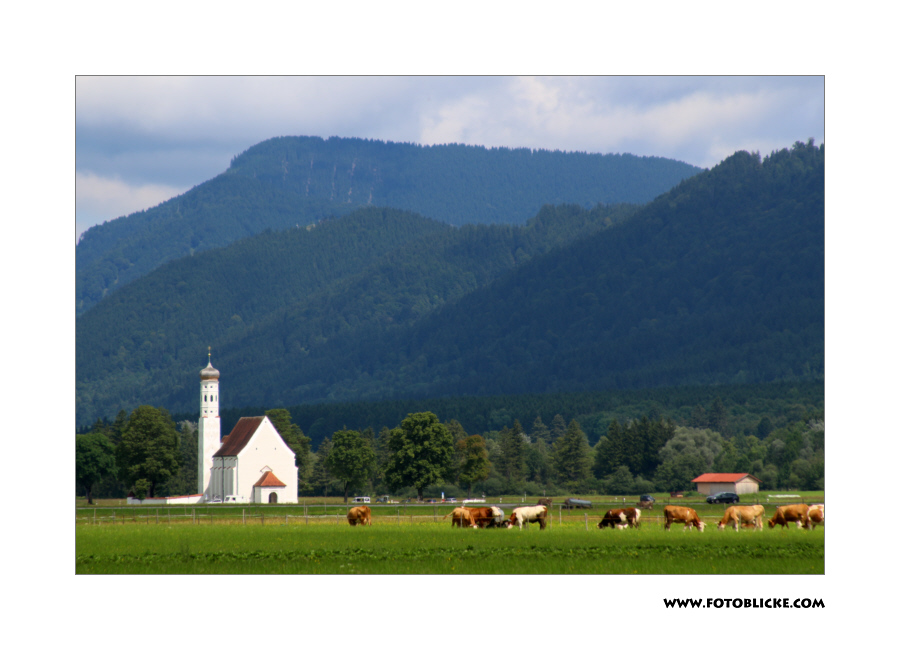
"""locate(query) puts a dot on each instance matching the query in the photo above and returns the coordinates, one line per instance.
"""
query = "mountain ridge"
(298, 180)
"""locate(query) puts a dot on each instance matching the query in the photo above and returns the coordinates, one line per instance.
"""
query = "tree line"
(145, 452)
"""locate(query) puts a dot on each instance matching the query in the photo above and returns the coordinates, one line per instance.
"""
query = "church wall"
(267, 449)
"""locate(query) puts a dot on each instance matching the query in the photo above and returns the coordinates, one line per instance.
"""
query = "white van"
(361, 500)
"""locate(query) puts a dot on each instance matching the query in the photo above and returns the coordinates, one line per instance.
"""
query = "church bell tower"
(209, 428)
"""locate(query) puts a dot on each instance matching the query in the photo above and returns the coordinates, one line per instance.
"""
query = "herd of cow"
(804, 516)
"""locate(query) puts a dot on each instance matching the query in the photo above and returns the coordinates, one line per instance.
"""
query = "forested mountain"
(283, 295)
(720, 280)
(295, 181)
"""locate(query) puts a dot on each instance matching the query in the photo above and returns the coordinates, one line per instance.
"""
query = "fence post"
(263, 518)
(398, 516)
(285, 518)
(193, 515)
(169, 516)
(243, 518)
(585, 521)
(157, 515)
(95, 515)
(306, 513)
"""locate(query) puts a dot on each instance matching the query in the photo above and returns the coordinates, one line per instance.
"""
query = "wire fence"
(398, 515)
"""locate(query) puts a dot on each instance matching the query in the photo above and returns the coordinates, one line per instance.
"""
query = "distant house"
(737, 483)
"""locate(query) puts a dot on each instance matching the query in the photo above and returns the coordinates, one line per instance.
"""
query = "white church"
(252, 464)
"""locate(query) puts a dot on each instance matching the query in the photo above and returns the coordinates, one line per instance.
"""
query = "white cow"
(528, 514)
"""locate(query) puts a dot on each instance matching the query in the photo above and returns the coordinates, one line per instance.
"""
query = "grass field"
(435, 548)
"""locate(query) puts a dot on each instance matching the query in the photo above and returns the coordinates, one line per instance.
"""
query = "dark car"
(723, 497)
(647, 497)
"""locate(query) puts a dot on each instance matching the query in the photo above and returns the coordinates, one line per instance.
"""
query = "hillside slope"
(295, 181)
(276, 297)
(720, 280)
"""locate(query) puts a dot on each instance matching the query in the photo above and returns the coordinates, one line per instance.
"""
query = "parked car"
(723, 497)
(450, 500)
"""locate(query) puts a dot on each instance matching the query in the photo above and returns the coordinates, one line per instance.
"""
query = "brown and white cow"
(528, 514)
(621, 518)
(815, 515)
(749, 516)
(481, 517)
(682, 515)
(784, 515)
(462, 518)
(360, 515)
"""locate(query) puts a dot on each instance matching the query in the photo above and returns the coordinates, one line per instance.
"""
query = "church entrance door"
(273, 498)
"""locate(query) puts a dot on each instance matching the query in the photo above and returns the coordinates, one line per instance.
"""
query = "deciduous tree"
(422, 453)
(95, 457)
(149, 447)
(351, 460)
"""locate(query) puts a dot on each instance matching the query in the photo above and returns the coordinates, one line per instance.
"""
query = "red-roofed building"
(269, 488)
(740, 483)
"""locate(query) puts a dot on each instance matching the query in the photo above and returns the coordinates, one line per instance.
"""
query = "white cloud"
(700, 121)
(99, 199)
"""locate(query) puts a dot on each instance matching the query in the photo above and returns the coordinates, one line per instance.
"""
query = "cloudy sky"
(142, 140)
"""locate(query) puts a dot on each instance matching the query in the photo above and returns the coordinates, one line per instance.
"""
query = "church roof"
(269, 479)
(235, 441)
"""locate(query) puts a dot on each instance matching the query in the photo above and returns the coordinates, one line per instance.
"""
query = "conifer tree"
(572, 457)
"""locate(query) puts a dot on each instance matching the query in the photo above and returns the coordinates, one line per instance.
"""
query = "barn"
(737, 483)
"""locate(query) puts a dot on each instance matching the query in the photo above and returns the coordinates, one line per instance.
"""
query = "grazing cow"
(482, 517)
(815, 515)
(528, 514)
(785, 515)
(360, 515)
(462, 518)
(749, 516)
(645, 504)
(621, 518)
(682, 515)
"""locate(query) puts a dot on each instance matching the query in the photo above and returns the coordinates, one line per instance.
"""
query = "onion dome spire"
(209, 372)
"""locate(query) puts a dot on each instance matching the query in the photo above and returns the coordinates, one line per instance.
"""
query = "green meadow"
(425, 547)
